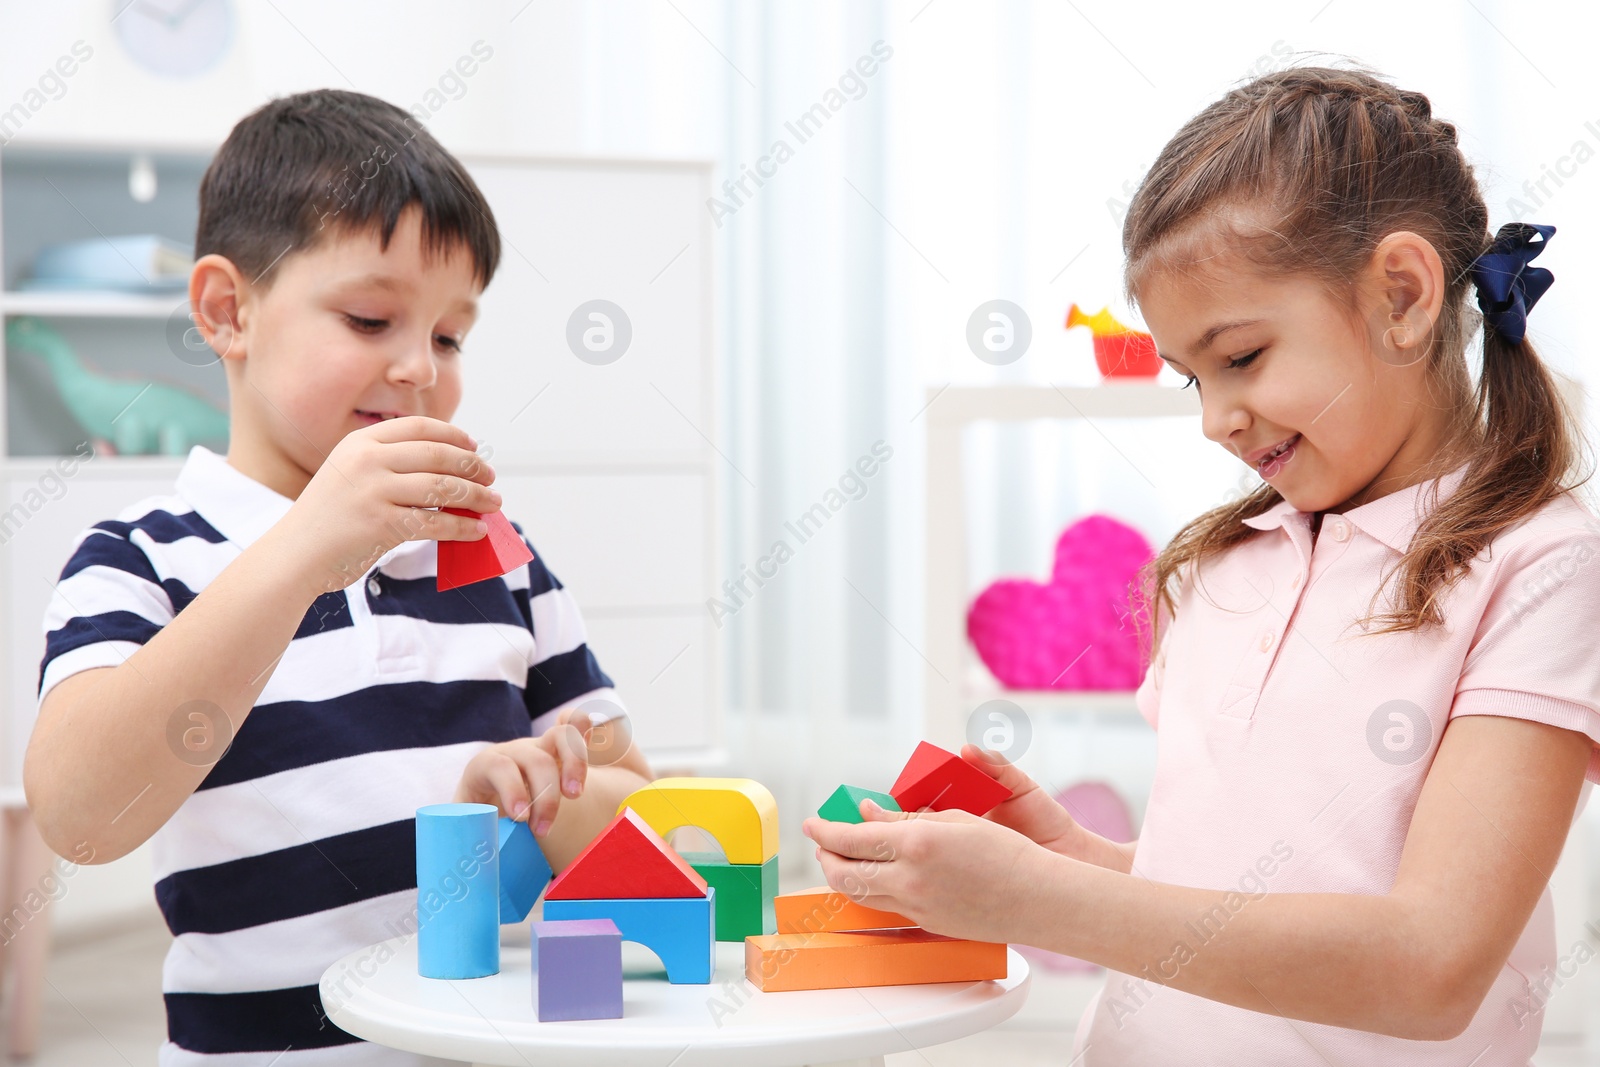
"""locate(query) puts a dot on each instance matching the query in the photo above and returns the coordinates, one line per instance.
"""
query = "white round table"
(378, 995)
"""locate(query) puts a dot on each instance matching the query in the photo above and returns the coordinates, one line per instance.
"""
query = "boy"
(256, 673)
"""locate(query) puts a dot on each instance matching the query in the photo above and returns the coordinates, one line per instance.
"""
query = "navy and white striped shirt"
(299, 847)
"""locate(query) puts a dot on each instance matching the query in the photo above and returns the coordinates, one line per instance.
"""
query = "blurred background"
(821, 239)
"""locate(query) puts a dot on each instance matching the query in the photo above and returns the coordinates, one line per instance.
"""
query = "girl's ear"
(217, 291)
(1405, 278)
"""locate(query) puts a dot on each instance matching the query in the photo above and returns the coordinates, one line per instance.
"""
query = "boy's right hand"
(376, 489)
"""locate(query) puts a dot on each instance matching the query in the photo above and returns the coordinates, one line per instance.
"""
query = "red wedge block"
(627, 860)
(500, 551)
(934, 778)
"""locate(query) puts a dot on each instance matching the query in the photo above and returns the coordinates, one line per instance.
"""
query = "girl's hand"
(1030, 811)
(948, 871)
(527, 778)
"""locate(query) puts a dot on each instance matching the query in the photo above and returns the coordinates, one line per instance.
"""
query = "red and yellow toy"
(1119, 352)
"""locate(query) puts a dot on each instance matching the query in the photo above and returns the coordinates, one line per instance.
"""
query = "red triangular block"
(500, 551)
(934, 778)
(627, 859)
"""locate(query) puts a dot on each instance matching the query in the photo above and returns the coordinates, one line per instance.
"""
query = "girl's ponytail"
(1526, 445)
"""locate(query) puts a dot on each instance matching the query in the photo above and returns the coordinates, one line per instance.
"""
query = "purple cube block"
(577, 969)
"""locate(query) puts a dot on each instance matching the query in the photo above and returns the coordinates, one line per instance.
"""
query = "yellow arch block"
(741, 813)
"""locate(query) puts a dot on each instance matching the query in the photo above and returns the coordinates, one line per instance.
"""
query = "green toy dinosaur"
(134, 417)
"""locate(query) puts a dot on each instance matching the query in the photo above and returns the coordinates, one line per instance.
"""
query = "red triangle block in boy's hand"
(934, 778)
(500, 551)
(627, 859)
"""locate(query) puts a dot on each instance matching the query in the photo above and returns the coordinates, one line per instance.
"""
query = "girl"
(1357, 804)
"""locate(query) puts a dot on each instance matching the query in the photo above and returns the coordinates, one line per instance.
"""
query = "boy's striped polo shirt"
(298, 847)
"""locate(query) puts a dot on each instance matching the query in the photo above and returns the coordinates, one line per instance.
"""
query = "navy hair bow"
(1507, 287)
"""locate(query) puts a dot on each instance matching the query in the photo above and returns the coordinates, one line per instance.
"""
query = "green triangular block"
(845, 804)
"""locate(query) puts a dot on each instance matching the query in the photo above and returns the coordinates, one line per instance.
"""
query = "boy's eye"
(1189, 380)
(365, 325)
(1244, 361)
(447, 342)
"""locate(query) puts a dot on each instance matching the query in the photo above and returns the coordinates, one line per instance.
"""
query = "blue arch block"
(680, 930)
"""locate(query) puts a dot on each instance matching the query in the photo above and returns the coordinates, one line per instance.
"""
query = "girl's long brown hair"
(1328, 162)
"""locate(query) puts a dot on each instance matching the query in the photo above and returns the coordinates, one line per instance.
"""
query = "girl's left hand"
(527, 778)
(947, 871)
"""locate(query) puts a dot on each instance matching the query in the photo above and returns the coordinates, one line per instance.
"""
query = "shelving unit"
(956, 682)
(62, 192)
(93, 305)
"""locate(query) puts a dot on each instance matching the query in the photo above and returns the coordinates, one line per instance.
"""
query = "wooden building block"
(825, 910)
(681, 931)
(577, 969)
(745, 892)
(524, 872)
(500, 551)
(845, 803)
(781, 962)
(458, 891)
(627, 859)
(741, 814)
(940, 780)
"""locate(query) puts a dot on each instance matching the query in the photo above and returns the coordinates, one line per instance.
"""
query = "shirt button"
(1266, 640)
(373, 586)
(1341, 530)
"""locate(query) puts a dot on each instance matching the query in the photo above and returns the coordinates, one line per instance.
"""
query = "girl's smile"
(1268, 462)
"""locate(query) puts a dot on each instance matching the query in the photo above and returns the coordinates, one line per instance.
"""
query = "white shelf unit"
(89, 304)
(956, 682)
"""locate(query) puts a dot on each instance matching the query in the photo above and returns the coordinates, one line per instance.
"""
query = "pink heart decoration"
(1034, 636)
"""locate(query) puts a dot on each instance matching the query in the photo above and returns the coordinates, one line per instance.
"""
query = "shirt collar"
(1392, 519)
(238, 506)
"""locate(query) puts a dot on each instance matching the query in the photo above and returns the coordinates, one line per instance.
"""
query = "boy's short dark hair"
(329, 158)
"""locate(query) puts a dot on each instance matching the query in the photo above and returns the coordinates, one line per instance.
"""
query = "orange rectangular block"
(824, 910)
(784, 962)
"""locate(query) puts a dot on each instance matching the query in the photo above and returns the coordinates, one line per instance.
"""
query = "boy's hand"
(948, 871)
(527, 778)
(376, 489)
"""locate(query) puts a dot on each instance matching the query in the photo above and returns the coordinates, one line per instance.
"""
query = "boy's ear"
(217, 292)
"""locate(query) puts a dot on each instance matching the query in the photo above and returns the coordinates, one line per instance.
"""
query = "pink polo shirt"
(1291, 749)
